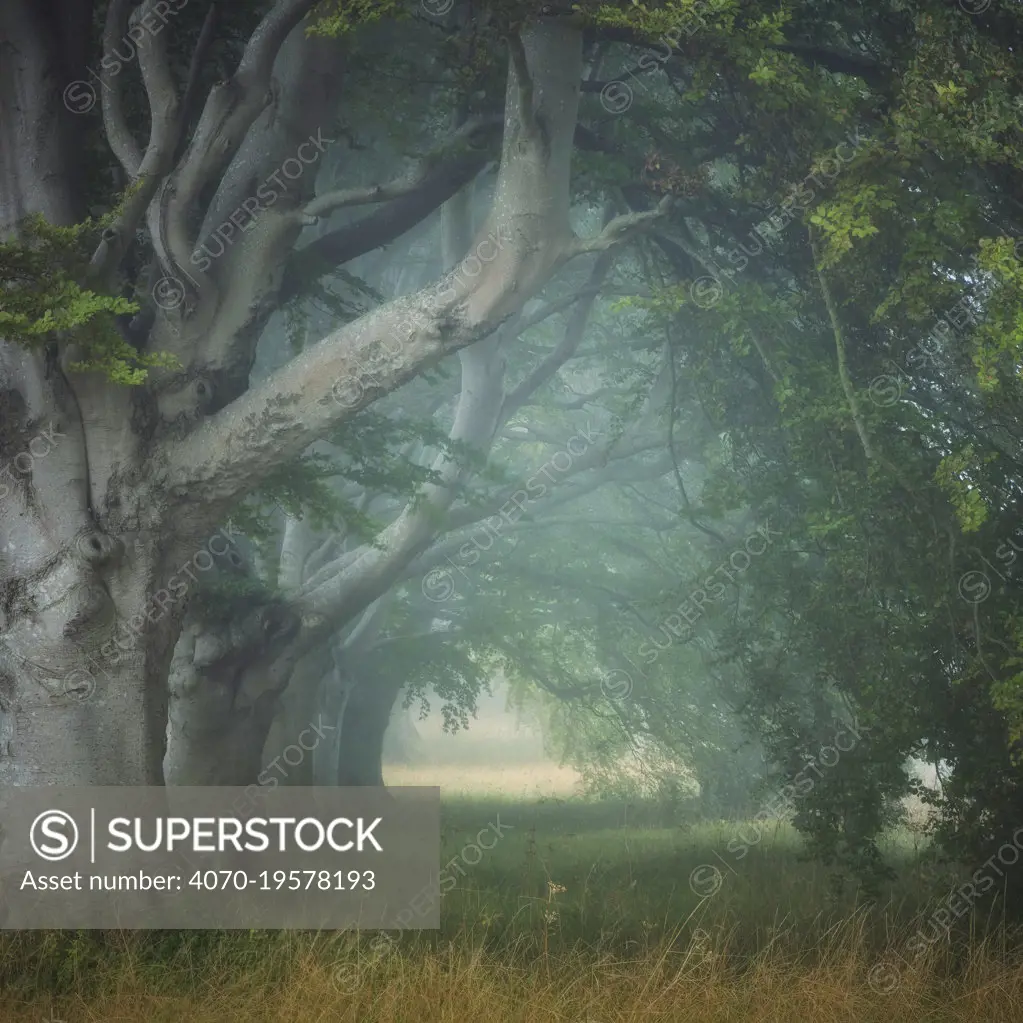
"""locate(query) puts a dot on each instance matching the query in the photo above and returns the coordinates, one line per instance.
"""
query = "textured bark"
(138, 478)
(76, 546)
(304, 733)
(275, 422)
(217, 723)
(218, 340)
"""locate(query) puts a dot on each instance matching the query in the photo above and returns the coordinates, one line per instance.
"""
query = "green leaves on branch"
(334, 18)
(41, 295)
(998, 342)
(956, 475)
(41, 298)
(847, 218)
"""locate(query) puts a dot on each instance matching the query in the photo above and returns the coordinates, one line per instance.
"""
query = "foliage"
(42, 297)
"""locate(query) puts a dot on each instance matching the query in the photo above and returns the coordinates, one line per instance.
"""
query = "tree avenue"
(662, 357)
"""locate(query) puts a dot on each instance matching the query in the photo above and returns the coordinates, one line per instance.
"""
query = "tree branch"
(843, 369)
(345, 197)
(164, 133)
(230, 110)
(619, 228)
(445, 171)
(119, 135)
(191, 97)
(575, 329)
(330, 382)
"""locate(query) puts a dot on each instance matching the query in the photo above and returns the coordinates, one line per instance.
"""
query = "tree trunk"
(73, 708)
(221, 704)
(331, 728)
(117, 486)
(402, 742)
(305, 729)
(365, 720)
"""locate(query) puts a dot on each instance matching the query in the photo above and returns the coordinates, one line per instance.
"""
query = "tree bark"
(366, 717)
(217, 724)
(75, 545)
(137, 478)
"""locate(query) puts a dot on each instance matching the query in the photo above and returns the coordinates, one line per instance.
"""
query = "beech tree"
(131, 353)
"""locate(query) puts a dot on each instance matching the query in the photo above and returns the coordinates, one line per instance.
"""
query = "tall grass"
(581, 912)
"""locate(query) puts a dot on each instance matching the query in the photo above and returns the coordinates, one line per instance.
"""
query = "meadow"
(582, 912)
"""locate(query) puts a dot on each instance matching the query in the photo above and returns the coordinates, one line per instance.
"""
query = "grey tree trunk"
(361, 740)
(116, 491)
(77, 546)
(218, 724)
(402, 742)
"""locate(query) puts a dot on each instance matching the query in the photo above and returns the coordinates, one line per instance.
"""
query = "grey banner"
(255, 857)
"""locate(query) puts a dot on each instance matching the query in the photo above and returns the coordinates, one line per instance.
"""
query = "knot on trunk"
(181, 403)
(265, 628)
(98, 549)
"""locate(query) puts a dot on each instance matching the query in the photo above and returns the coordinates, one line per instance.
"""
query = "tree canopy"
(675, 371)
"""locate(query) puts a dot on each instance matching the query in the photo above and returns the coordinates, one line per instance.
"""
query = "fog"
(583, 442)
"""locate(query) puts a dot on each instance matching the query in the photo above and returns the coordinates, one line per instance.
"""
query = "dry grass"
(463, 983)
(620, 937)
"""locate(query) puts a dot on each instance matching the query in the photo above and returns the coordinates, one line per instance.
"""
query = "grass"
(581, 913)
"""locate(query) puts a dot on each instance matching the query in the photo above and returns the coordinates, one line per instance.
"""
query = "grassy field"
(580, 913)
